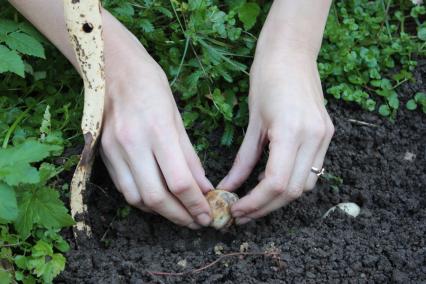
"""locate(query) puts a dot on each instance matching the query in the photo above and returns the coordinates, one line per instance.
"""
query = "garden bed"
(383, 169)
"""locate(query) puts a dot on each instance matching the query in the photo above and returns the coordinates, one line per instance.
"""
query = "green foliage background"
(206, 48)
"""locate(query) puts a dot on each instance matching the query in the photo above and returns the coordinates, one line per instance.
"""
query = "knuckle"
(106, 142)
(180, 185)
(154, 200)
(132, 197)
(294, 192)
(331, 129)
(195, 207)
(125, 137)
(252, 207)
(158, 125)
(317, 131)
(292, 128)
(277, 186)
(125, 186)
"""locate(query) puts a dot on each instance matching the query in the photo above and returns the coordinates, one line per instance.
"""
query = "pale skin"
(146, 148)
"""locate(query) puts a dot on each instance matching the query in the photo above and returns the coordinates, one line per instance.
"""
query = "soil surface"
(383, 170)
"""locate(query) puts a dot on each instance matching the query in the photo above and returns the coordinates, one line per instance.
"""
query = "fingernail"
(204, 219)
(194, 226)
(209, 185)
(237, 214)
(242, 221)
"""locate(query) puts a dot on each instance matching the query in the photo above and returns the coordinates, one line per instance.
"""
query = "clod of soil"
(220, 202)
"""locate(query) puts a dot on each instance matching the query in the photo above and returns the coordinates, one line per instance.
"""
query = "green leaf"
(420, 98)
(21, 261)
(15, 161)
(41, 248)
(248, 14)
(32, 31)
(222, 105)
(43, 207)
(7, 26)
(5, 276)
(421, 33)
(44, 263)
(46, 124)
(8, 205)
(48, 267)
(25, 44)
(10, 61)
(393, 101)
(411, 105)
(189, 117)
(384, 110)
(125, 10)
(228, 135)
(146, 25)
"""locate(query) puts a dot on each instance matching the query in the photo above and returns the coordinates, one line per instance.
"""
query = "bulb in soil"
(350, 208)
(220, 202)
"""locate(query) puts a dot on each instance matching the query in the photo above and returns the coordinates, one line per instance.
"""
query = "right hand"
(144, 144)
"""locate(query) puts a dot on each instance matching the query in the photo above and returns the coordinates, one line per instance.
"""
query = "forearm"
(295, 26)
(48, 17)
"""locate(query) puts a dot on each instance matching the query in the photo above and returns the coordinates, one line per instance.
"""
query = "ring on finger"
(318, 172)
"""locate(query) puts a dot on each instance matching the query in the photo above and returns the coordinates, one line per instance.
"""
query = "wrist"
(294, 28)
(280, 39)
(123, 51)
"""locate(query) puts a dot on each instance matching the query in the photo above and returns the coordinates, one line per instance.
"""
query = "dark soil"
(383, 170)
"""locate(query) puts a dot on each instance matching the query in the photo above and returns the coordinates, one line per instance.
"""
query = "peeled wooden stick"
(84, 22)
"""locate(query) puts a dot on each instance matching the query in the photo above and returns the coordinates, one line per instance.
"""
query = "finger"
(282, 157)
(122, 179)
(294, 189)
(247, 157)
(154, 193)
(193, 160)
(319, 158)
(179, 179)
(302, 169)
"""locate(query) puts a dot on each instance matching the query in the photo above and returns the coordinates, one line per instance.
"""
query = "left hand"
(286, 110)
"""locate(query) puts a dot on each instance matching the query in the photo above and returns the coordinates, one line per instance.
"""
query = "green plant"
(33, 209)
(418, 100)
(16, 41)
(369, 50)
(34, 120)
(333, 181)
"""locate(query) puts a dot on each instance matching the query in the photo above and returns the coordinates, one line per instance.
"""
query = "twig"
(162, 273)
(98, 187)
(363, 123)
(107, 230)
(9, 245)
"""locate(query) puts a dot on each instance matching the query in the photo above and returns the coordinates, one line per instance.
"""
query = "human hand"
(287, 110)
(144, 143)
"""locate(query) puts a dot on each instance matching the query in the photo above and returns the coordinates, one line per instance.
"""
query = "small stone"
(182, 263)
(409, 156)
(244, 247)
(218, 249)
